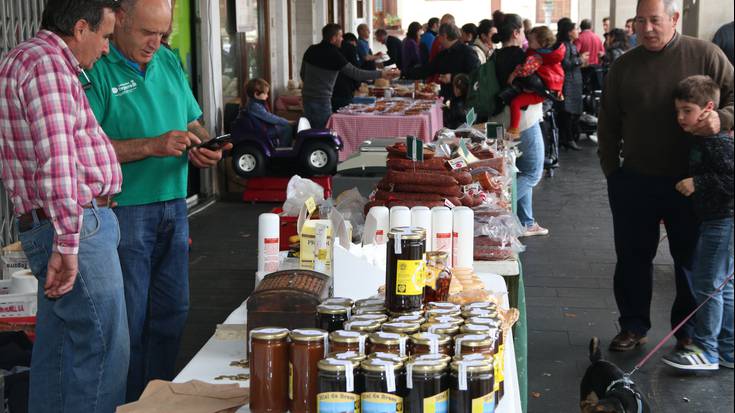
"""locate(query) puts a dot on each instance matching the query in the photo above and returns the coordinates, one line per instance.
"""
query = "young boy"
(711, 189)
(257, 93)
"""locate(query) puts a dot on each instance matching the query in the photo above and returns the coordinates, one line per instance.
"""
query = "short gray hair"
(670, 6)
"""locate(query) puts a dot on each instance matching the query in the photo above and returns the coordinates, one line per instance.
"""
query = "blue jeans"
(531, 167)
(81, 338)
(154, 254)
(713, 262)
(318, 112)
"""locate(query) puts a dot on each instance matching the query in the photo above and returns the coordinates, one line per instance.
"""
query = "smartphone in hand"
(217, 143)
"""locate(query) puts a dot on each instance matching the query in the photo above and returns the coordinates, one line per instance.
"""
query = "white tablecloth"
(214, 358)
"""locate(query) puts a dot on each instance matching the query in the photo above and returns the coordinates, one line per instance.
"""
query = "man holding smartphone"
(142, 98)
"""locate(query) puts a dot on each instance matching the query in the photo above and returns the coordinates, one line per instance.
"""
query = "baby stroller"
(550, 132)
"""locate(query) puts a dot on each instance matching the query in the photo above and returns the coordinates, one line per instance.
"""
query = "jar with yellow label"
(471, 387)
(331, 317)
(402, 327)
(307, 347)
(384, 386)
(404, 272)
(342, 340)
(381, 341)
(438, 277)
(430, 343)
(427, 385)
(338, 386)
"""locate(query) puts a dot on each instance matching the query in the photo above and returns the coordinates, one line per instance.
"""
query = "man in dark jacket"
(394, 46)
(344, 88)
(724, 39)
(456, 58)
(320, 66)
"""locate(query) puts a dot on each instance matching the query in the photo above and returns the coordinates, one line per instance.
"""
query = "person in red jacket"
(543, 60)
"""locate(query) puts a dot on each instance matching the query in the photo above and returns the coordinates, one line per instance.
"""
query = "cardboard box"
(308, 244)
(13, 259)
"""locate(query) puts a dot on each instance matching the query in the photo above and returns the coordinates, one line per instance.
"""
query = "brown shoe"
(626, 341)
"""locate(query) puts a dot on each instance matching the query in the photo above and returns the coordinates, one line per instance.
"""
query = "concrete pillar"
(277, 25)
(702, 18)
(600, 10)
(584, 9)
(620, 11)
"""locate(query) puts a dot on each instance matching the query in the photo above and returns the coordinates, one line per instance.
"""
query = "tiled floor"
(569, 292)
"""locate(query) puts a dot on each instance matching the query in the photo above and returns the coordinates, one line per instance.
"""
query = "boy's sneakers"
(725, 363)
(691, 358)
(534, 230)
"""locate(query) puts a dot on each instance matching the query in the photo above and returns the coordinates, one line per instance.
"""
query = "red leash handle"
(679, 326)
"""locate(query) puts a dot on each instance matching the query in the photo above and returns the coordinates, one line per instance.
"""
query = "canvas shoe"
(534, 230)
(692, 358)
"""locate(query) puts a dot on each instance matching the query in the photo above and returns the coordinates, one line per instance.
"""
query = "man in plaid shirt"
(61, 172)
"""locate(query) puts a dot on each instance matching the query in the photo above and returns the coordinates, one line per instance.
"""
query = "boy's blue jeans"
(713, 263)
(82, 347)
(531, 167)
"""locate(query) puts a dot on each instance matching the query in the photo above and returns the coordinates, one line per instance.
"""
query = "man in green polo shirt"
(142, 99)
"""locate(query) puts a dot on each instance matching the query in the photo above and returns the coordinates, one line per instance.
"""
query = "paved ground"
(568, 281)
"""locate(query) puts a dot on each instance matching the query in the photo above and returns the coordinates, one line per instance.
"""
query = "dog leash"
(675, 329)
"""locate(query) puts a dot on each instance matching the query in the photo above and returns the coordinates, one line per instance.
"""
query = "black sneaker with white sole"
(691, 358)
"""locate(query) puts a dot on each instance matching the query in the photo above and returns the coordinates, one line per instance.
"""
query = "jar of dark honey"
(307, 347)
(366, 326)
(385, 386)
(331, 317)
(404, 276)
(381, 341)
(430, 343)
(268, 370)
(427, 387)
(471, 387)
(473, 343)
(412, 318)
(402, 327)
(380, 318)
(342, 340)
(446, 329)
(446, 319)
(338, 385)
(343, 301)
(442, 358)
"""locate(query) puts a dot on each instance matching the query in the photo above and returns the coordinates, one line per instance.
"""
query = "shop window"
(553, 9)
(360, 9)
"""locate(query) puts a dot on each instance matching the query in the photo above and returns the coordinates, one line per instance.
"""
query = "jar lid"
(426, 366)
(446, 319)
(407, 233)
(479, 312)
(381, 318)
(336, 365)
(426, 339)
(331, 309)
(473, 340)
(369, 302)
(347, 355)
(379, 364)
(473, 356)
(366, 325)
(477, 329)
(369, 309)
(346, 337)
(473, 366)
(414, 313)
(308, 334)
(344, 301)
(401, 327)
(443, 358)
(436, 257)
(383, 337)
(440, 328)
(437, 312)
(387, 356)
(443, 304)
(269, 333)
(486, 321)
(486, 305)
(417, 319)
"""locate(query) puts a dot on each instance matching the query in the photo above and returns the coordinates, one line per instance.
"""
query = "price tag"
(415, 148)
(471, 117)
(457, 163)
(310, 205)
(448, 203)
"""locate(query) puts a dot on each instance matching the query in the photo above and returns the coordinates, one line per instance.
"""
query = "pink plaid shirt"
(53, 153)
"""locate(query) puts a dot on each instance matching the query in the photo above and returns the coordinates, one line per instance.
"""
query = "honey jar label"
(290, 381)
(337, 402)
(500, 364)
(381, 403)
(438, 403)
(410, 277)
(484, 404)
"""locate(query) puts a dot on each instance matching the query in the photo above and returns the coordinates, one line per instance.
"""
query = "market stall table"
(354, 129)
(215, 357)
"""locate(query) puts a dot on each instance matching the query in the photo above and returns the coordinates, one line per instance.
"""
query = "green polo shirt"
(132, 105)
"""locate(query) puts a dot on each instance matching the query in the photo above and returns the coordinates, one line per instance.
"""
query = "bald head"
(140, 26)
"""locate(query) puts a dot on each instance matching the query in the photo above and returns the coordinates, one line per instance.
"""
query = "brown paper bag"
(191, 397)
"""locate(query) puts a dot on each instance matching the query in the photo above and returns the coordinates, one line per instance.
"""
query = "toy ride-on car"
(255, 145)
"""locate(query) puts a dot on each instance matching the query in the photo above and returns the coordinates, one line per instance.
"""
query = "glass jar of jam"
(427, 386)
(331, 317)
(342, 340)
(404, 272)
(307, 347)
(381, 341)
(338, 385)
(343, 301)
(439, 312)
(381, 318)
(384, 385)
(446, 319)
(441, 328)
(471, 387)
(438, 277)
(415, 318)
(366, 326)
(430, 343)
(268, 370)
(401, 327)
(473, 343)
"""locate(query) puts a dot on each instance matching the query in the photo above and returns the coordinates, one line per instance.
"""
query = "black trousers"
(639, 203)
(568, 126)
